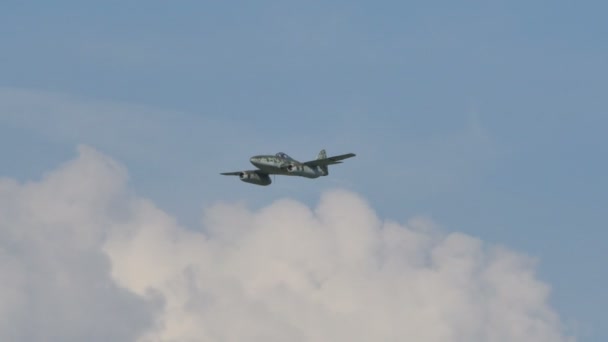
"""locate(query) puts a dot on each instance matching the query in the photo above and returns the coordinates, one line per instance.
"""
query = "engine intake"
(294, 168)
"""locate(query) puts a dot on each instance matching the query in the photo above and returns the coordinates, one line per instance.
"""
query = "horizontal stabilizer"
(329, 161)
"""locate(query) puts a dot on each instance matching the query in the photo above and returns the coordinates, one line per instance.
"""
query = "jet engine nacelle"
(294, 168)
(297, 169)
(255, 178)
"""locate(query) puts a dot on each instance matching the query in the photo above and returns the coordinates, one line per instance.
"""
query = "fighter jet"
(282, 164)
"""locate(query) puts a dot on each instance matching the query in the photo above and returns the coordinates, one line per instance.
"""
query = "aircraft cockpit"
(283, 155)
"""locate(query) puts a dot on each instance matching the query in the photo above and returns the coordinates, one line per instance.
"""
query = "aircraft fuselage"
(285, 166)
(282, 164)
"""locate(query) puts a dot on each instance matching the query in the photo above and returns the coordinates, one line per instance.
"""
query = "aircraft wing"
(329, 161)
(231, 173)
(238, 173)
(251, 176)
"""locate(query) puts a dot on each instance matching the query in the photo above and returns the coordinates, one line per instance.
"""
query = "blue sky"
(487, 116)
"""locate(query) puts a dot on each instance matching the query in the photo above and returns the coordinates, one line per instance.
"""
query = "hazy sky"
(486, 117)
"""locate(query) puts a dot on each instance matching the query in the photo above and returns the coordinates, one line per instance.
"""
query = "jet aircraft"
(282, 164)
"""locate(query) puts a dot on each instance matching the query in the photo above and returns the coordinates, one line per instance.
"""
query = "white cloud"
(82, 258)
(56, 283)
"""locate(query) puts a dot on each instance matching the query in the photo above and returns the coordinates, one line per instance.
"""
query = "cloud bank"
(83, 258)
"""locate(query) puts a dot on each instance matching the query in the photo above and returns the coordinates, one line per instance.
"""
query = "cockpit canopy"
(283, 155)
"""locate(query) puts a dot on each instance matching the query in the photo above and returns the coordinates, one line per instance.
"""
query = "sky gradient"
(487, 117)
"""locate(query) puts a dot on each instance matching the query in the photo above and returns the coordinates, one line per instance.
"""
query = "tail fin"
(324, 168)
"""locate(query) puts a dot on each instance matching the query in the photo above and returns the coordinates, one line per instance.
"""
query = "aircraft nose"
(255, 160)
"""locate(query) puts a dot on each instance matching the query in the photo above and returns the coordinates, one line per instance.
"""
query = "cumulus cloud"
(56, 281)
(83, 258)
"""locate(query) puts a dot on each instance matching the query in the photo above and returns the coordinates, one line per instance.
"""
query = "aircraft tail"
(324, 169)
